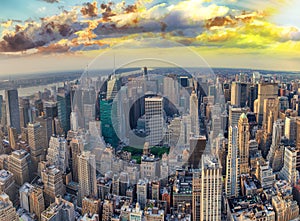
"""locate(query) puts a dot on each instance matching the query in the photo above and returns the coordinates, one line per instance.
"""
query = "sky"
(57, 35)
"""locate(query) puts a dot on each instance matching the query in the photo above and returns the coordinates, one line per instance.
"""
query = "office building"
(264, 174)
(232, 180)
(7, 184)
(194, 114)
(64, 110)
(211, 188)
(108, 125)
(142, 192)
(7, 211)
(197, 148)
(266, 90)
(37, 151)
(290, 129)
(53, 183)
(58, 153)
(107, 210)
(12, 109)
(19, 164)
(86, 175)
(270, 113)
(289, 171)
(154, 120)
(243, 143)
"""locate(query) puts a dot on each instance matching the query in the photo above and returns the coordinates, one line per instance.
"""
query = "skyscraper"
(25, 112)
(211, 188)
(194, 113)
(270, 113)
(265, 90)
(7, 211)
(53, 183)
(12, 109)
(19, 164)
(154, 120)
(107, 124)
(232, 181)
(235, 94)
(64, 110)
(86, 175)
(37, 151)
(58, 153)
(243, 142)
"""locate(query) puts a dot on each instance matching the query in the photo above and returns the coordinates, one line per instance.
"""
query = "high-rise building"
(37, 151)
(234, 115)
(53, 183)
(289, 171)
(46, 130)
(154, 120)
(265, 90)
(113, 87)
(150, 167)
(12, 109)
(264, 174)
(59, 210)
(25, 112)
(74, 121)
(64, 110)
(58, 153)
(19, 164)
(290, 129)
(142, 192)
(232, 181)
(196, 194)
(211, 188)
(77, 147)
(7, 211)
(86, 175)
(107, 210)
(197, 148)
(108, 125)
(235, 94)
(243, 142)
(7, 184)
(194, 114)
(270, 114)
(37, 205)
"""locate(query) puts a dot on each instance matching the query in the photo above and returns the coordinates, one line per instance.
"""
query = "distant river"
(27, 91)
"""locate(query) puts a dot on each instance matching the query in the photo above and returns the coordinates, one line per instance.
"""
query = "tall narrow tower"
(12, 109)
(86, 175)
(194, 113)
(232, 181)
(211, 188)
(243, 142)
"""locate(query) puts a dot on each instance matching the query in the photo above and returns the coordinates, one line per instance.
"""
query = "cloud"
(90, 9)
(33, 34)
(190, 22)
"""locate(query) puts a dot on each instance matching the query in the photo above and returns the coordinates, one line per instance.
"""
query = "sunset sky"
(53, 35)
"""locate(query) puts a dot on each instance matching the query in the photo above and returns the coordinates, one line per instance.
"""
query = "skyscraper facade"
(243, 142)
(86, 175)
(194, 113)
(211, 188)
(154, 120)
(12, 109)
(232, 180)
